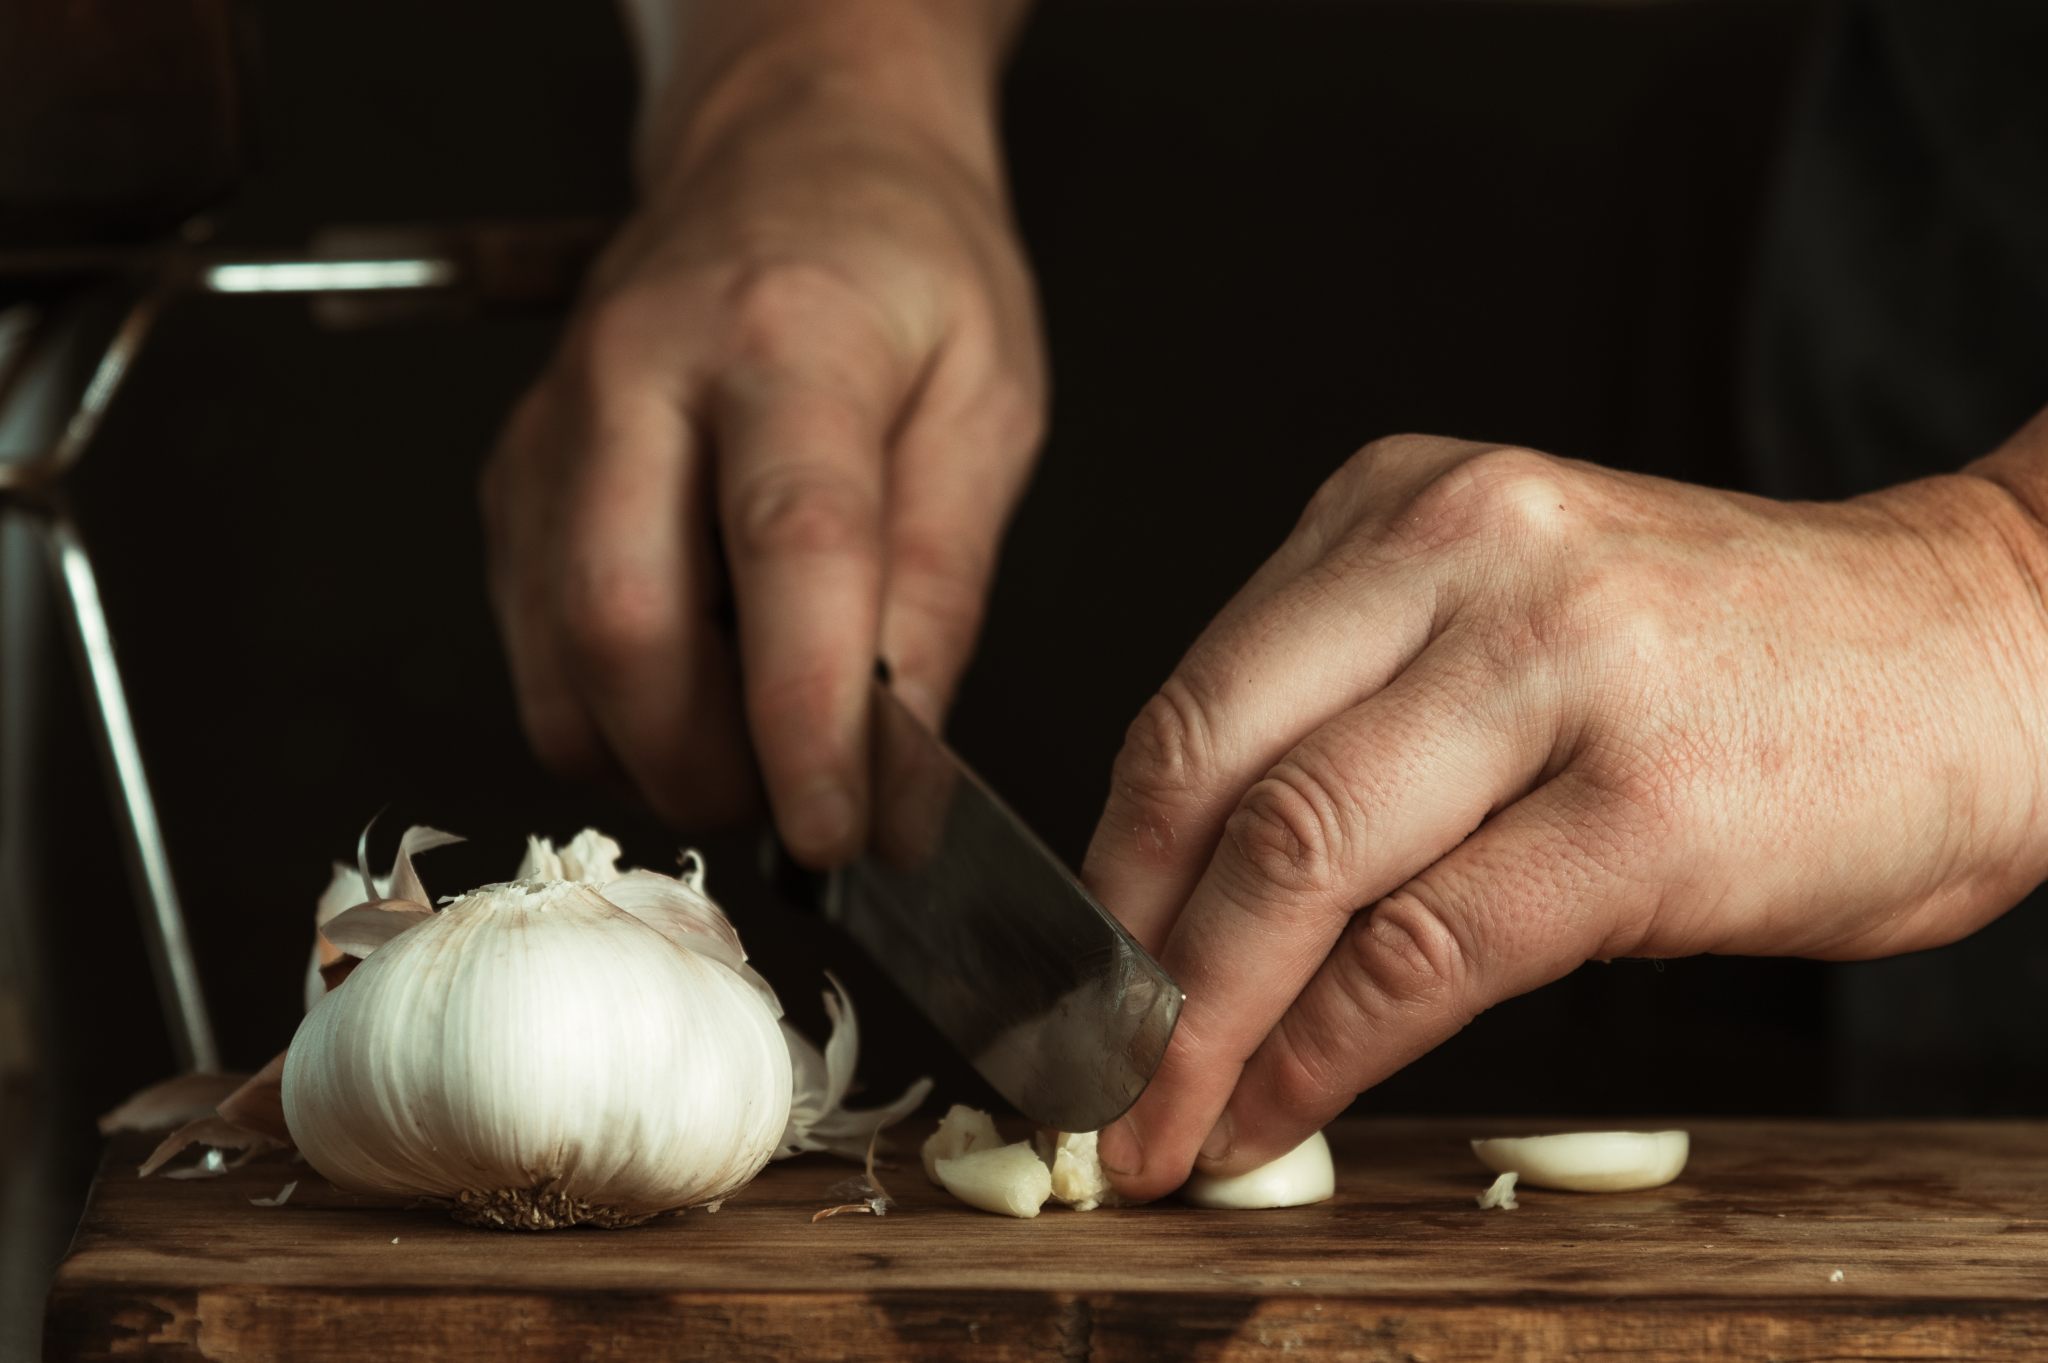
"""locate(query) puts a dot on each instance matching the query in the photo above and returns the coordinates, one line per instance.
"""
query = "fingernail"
(1119, 1149)
(823, 820)
(1222, 1140)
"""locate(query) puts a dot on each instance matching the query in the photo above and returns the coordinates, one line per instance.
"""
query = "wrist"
(925, 68)
(1988, 549)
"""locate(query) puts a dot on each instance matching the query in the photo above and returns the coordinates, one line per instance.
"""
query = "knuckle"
(800, 511)
(942, 580)
(1504, 493)
(1163, 752)
(1405, 954)
(768, 309)
(1286, 834)
(613, 339)
(613, 617)
(1309, 1077)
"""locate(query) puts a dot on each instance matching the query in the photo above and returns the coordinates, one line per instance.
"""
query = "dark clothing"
(1901, 329)
(1902, 319)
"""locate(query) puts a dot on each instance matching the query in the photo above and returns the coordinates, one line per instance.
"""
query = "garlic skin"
(1299, 1177)
(1010, 1180)
(1590, 1161)
(543, 1057)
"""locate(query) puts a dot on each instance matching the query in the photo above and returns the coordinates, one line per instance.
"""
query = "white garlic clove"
(962, 1131)
(1078, 1178)
(1301, 1176)
(1589, 1161)
(1500, 1193)
(1010, 1180)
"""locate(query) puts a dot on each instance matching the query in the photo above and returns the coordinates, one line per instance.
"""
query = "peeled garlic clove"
(1299, 1177)
(1078, 1178)
(1589, 1161)
(962, 1131)
(1010, 1181)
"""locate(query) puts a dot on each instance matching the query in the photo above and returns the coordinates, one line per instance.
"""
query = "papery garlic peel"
(1301, 1176)
(1589, 1161)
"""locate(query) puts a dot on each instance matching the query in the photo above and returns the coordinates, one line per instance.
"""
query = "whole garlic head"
(542, 1057)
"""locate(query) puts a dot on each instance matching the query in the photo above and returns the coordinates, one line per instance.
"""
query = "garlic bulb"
(556, 1051)
(543, 1058)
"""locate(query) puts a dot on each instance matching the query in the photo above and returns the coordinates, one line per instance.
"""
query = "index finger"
(799, 460)
(1363, 804)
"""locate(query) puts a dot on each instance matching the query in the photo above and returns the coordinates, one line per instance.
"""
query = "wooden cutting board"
(1782, 1240)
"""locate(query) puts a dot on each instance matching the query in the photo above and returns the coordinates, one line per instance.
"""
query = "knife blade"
(984, 929)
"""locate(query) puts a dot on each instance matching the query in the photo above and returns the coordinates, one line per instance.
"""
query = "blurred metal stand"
(63, 359)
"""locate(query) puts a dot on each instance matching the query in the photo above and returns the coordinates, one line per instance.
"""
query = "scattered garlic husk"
(1499, 1193)
(962, 1131)
(1303, 1175)
(1589, 1161)
(819, 1119)
(171, 1103)
(1010, 1180)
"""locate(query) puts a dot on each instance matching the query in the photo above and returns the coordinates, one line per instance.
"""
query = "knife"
(995, 941)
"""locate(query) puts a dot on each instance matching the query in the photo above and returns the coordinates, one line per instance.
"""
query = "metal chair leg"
(43, 402)
(149, 864)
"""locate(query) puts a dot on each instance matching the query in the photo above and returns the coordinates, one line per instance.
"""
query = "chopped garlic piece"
(1077, 1176)
(962, 1131)
(1590, 1161)
(1500, 1193)
(1010, 1181)
(1299, 1177)
(1836, 1276)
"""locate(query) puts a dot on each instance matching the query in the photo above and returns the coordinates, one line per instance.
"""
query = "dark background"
(1265, 234)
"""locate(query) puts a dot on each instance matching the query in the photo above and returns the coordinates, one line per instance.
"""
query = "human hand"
(817, 339)
(1488, 714)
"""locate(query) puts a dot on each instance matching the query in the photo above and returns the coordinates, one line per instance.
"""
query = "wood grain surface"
(1939, 1232)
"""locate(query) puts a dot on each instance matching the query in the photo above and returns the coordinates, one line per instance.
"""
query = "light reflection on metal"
(39, 470)
(1054, 1004)
(177, 973)
(329, 276)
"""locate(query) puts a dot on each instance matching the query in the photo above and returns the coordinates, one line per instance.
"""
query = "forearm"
(708, 64)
